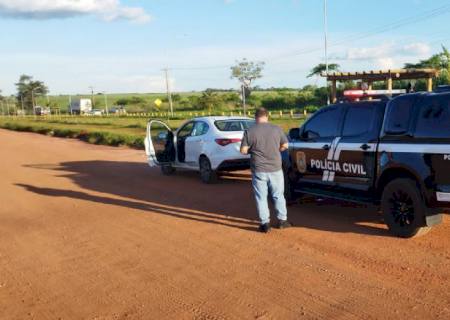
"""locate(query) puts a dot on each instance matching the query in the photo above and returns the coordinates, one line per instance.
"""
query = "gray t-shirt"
(264, 141)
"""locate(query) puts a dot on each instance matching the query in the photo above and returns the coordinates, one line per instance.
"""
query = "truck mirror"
(310, 135)
(294, 134)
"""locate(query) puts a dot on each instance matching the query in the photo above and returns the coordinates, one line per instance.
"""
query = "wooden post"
(429, 84)
(389, 83)
(333, 91)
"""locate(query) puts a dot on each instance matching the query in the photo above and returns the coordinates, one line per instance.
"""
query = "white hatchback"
(206, 144)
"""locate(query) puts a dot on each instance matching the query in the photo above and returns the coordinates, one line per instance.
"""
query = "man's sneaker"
(264, 228)
(284, 224)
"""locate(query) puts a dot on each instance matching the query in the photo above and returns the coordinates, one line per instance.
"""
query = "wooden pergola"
(388, 76)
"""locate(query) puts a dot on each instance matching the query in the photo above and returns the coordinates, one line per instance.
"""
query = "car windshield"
(234, 125)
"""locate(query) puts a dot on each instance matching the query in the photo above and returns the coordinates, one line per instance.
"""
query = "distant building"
(80, 106)
(41, 111)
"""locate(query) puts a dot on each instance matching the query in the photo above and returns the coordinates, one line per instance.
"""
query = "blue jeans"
(265, 183)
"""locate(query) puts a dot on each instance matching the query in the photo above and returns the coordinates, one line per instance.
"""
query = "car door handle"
(365, 147)
(326, 147)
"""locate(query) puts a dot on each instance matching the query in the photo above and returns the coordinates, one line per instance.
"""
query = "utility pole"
(92, 96)
(32, 101)
(106, 103)
(23, 109)
(325, 17)
(169, 94)
(244, 106)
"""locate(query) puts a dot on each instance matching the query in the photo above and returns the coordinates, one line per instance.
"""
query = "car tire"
(167, 170)
(207, 174)
(404, 209)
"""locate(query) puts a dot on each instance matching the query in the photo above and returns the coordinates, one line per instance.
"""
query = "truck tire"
(167, 170)
(404, 209)
(207, 174)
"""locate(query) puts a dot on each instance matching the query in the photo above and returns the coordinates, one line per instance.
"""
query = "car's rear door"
(195, 142)
(313, 151)
(159, 143)
(355, 152)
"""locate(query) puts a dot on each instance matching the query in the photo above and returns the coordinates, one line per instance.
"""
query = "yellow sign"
(158, 102)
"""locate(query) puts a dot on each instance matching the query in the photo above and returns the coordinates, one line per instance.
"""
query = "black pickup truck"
(394, 153)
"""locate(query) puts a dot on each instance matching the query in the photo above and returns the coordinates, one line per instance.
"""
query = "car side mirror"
(294, 134)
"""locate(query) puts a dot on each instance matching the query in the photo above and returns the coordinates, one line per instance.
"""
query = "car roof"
(218, 118)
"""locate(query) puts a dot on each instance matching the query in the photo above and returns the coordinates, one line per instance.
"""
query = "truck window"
(434, 118)
(399, 114)
(325, 124)
(358, 120)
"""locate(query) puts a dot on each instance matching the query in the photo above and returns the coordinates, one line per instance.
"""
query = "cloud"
(385, 51)
(107, 10)
(386, 55)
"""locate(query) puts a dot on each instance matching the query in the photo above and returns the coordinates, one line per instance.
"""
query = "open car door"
(159, 144)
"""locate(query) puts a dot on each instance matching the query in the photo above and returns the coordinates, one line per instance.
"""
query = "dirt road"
(89, 232)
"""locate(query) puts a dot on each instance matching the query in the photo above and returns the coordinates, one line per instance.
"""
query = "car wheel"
(207, 174)
(403, 209)
(167, 170)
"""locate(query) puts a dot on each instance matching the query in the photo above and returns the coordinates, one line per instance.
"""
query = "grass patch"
(102, 131)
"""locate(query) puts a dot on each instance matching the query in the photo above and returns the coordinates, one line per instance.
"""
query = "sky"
(122, 46)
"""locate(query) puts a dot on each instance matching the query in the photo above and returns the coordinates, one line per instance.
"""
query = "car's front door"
(182, 134)
(315, 147)
(159, 144)
(356, 151)
(195, 142)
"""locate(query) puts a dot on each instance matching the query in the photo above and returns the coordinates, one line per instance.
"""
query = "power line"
(439, 11)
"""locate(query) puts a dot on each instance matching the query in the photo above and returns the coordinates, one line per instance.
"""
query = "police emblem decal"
(301, 161)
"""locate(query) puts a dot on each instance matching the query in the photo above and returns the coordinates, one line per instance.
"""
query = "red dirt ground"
(91, 232)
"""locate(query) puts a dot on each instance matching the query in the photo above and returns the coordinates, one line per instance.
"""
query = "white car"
(206, 144)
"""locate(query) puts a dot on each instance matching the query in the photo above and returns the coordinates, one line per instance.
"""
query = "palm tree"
(322, 67)
(439, 61)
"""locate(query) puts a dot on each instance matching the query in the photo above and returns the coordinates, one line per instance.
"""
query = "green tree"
(210, 100)
(439, 61)
(247, 72)
(322, 67)
(29, 89)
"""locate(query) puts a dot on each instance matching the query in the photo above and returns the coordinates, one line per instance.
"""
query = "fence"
(290, 114)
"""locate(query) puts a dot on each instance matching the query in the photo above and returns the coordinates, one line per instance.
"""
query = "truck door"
(432, 134)
(159, 144)
(356, 151)
(315, 147)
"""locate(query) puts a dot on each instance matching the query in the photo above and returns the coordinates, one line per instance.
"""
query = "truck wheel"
(404, 208)
(167, 170)
(207, 174)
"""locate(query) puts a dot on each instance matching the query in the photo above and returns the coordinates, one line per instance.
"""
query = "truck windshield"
(234, 125)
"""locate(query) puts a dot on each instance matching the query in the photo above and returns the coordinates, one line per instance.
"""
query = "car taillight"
(225, 142)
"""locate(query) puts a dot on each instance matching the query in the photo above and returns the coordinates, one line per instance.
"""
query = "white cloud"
(387, 55)
(107, 10)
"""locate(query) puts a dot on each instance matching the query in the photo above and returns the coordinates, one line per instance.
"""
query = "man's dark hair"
(261, 112)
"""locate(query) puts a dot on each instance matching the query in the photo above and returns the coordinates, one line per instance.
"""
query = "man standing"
(265, 142)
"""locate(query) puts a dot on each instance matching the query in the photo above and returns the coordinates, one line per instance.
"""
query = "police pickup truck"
(394, 153)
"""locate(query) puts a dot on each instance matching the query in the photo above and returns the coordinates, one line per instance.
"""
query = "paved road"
(90, 232)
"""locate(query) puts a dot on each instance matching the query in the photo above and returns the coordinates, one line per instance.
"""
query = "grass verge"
(103, 131)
